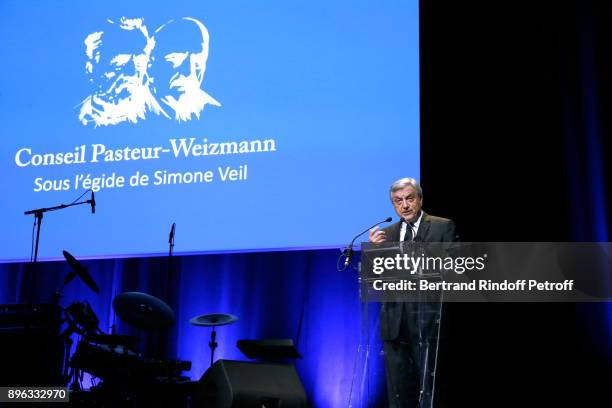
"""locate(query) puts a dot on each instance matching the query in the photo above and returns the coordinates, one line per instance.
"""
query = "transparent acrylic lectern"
(413, 313)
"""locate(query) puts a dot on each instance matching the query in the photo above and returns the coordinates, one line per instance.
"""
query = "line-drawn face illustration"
(179, 64)
(117, 63)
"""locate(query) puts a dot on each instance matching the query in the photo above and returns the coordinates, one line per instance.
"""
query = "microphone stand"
(38, 215)
(171, 293)
(171, 240)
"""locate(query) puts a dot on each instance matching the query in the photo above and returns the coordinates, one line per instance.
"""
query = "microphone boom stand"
(38, 215)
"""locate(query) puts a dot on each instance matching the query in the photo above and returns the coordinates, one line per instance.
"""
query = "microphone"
(93, 203)
(349, 249)
(171, 237)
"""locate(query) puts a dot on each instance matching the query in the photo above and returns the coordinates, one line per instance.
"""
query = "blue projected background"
(314, 105)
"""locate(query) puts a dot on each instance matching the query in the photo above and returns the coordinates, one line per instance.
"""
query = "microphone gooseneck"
(348, 252)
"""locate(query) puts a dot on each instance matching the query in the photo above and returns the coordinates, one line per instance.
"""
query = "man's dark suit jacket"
(431, 229)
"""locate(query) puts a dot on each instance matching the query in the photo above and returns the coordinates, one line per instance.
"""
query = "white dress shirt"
(415, 227)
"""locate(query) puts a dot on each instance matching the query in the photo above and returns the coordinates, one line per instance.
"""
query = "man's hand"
(377, 235)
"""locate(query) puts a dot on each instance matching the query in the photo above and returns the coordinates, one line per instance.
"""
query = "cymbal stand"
(213, 344)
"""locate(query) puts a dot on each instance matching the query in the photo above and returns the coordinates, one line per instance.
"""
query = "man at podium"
(407, 328)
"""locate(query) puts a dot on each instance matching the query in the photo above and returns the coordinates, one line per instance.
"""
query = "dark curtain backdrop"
(516, 133)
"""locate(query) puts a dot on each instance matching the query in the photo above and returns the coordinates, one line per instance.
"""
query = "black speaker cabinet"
(241, 384)
(31, 350)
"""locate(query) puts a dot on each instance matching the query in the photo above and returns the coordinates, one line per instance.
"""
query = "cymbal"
(143, 311)
(213, 319)
(79, 270)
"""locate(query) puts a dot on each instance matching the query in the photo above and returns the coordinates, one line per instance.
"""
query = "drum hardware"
(143, 311)
(213, 320)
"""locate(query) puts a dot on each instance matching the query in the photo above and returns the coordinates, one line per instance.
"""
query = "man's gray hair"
(405, 182)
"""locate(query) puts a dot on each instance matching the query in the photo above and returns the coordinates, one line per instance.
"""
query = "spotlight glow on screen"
(251, 125)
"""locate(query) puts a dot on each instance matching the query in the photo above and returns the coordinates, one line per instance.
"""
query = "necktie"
(409, 236)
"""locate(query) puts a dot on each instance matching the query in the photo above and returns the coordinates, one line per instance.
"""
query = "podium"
(396, 359)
